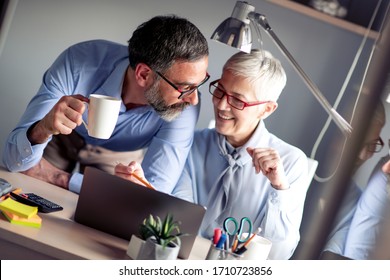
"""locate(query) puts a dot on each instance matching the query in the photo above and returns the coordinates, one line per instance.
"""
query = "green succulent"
(164, 232)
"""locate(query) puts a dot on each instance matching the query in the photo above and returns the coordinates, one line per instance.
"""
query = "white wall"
(41, 29)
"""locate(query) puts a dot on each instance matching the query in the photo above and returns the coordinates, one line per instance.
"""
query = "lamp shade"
(234, 33)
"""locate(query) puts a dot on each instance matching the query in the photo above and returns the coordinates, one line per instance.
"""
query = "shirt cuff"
(75, 182)
(283, 199)
(25, 148)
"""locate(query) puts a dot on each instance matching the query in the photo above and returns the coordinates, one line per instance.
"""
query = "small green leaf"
(165, 232)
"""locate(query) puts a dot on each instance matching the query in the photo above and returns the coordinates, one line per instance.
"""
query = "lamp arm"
(261, 20)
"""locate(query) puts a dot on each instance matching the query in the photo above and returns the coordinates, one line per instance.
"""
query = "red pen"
(217, 235)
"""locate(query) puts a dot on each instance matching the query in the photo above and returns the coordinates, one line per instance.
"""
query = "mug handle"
(85, 124)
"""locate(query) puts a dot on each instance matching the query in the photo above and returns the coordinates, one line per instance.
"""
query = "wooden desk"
(60, 237)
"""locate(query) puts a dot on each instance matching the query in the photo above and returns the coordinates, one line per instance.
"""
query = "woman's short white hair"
(264, 72)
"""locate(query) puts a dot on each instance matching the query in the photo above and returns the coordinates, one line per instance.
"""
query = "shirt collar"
(260, 138)
(113, 84)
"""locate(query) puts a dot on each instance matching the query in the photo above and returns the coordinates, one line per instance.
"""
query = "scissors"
(238, 229)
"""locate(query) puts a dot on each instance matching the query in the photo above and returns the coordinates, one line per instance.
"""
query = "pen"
(235, 243)
(227, 242)
(243, 248)
(250, 238)
(147, 184)
(143, 181)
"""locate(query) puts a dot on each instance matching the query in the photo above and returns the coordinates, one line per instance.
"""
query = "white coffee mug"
(103, 114)
(258, 249)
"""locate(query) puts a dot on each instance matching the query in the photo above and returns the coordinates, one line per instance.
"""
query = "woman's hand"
(268, 162)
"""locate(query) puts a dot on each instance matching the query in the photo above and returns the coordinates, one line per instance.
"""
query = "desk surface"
(60, 237)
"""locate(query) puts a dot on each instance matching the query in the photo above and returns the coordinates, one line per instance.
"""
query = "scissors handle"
(229, 229)
(238, 229)
(241, 230)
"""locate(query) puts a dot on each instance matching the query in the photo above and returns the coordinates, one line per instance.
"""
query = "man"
(335, 245)
(372, 212)
(240, 169)
(156, 77)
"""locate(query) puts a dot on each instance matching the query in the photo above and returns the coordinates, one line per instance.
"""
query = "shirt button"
(19, 164)
(274, 194)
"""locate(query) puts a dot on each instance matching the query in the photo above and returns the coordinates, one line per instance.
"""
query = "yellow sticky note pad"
(22, 210)
(34, 221)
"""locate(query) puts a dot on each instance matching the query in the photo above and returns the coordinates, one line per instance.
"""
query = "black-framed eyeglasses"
(375, 146)
(231, 100)
(188, 90)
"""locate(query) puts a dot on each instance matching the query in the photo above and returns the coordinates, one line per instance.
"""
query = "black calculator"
(44, 205)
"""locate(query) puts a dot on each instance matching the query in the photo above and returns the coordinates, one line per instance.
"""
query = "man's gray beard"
(166, 112)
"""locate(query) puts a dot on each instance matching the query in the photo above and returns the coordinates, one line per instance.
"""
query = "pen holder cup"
(215, 253)
(258, 249)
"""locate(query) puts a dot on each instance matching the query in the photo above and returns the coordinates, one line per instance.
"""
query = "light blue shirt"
(338, 236)
(277, 212)
(369, 215)
(99, 67)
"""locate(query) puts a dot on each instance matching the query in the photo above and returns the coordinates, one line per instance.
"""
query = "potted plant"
(162, 238)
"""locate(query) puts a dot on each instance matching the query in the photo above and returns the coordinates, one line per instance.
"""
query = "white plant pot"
(153, 251)
(135, 246)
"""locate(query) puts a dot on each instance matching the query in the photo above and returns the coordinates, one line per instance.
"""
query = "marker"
(241, 250)
(217, 235)
(221, 241)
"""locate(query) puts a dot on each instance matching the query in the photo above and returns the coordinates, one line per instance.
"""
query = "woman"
(239, 169)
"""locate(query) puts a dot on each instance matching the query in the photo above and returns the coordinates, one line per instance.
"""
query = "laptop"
(118, 206)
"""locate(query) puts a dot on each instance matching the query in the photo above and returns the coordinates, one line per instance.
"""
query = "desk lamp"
(235, 31)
